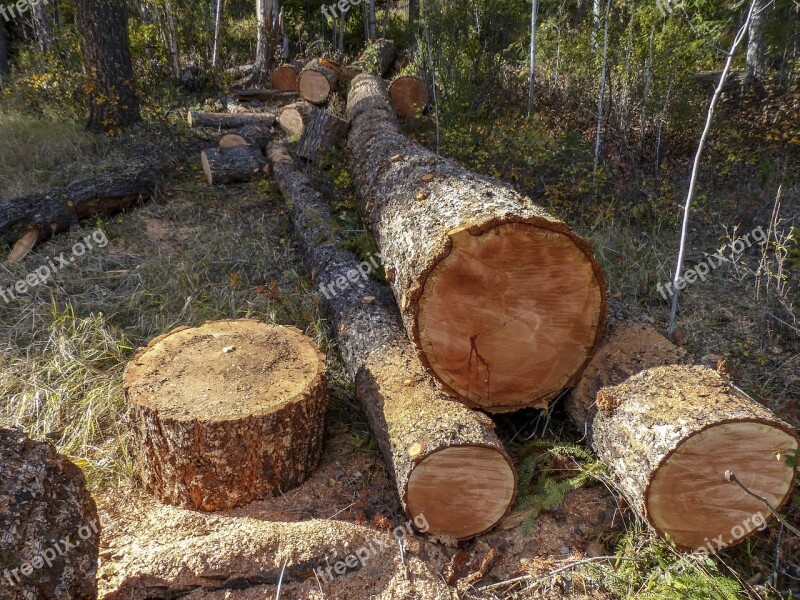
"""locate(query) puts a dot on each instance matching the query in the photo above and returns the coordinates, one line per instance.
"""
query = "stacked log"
(294, 117)
(446, 461)
(226, 413)
(409, 95)
(253, 135)
(228, 121)
(324, 131)
(503, 302)
(237, 164)
(285, 76)
(669, 432)
(318, 80)
(262, 95)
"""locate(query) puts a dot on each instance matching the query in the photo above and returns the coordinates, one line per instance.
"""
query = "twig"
(280, 580)
(730, 476)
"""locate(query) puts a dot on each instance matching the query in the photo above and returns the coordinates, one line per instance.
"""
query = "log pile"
(324, 131)
(226, 413)
(503, 302)
(294, 117)
(446, 461)
(318, 80)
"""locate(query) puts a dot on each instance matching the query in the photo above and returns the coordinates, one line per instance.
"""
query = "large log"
(285, 76)
(294, 117)
(235, 164)
(261, 95)
(668, 433)
(226, 413)
(318, 80)
(228, 121)
(56, 210)
(324, 131)
(503, 301)
(377, 58)
(49, 528)
(446, 461)
(409, 95)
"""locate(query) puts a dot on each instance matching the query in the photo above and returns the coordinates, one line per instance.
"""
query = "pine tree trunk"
(502, 300)
(756, 59)
(103, 25)
(445, 460)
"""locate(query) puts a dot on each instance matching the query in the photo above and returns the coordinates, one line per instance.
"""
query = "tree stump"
(294, 117)
(318, 80)
(226, 413)
(234, 164)
(324, 131)
(49, 528)
(409, 96)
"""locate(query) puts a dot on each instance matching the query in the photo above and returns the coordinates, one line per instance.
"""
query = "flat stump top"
(225, 370)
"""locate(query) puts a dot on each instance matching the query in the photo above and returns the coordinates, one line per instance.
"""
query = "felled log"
(226, 413)
(228, 121)
(669, 432)
(49, 528)
(56, 210)
(377, 58)
(318, 80)
(324, 131)
(446, 461)
(261, 95)
(293, 117)
(503, 301)
(409, 95)
(252, 135)
(285, 76)
(232, 165)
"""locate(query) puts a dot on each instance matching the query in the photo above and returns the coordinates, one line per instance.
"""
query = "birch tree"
(219, 7)
(532, 83)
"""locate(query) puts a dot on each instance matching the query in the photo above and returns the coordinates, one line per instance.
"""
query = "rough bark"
(423, 210)
(285, 76)
(228, 121)
(318, 80)
(756, 49)
(293, 118)
(227, 413)
(412, 422)
(324, 131)
(56, 210)
(409, 95)
(49, 528)
(103, 26)
(232, 165)
(377, 58)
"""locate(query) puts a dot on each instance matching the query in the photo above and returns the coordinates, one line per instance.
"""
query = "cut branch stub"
(226, 413)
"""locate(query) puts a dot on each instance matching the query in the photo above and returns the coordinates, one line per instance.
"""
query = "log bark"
(226, 413)
(445, 460)
(293, 118)
(232, 165)
(228, 121)
(503, 301)
(409, 95)
(669, 431)
(43, 504)
(57, 210)
(318, 80)
(324, 131)
(262, 95)
(377, 58)
(285, 76)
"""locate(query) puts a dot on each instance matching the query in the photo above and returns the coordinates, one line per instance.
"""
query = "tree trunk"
(198, 118)
(502, 300)
(232, 165)
(261, 95)
(103, 25)
(409, 95)
(285, 77)
(293, 118)
(445, 460)
(324, 132)
(227, 413)
(668, 432)
(43, 504)
(378, 58)
(41, 15)
(756, 51)
(219, 9)
(267, 12)
(5, 69)
(56, 210)
(413, 14)
(318, 81)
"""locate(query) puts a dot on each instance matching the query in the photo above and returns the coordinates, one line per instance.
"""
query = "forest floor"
(198, 253)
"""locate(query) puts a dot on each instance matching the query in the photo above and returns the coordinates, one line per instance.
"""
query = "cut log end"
(409, 96)
(284, 78)
(226, 413)
(448, 486)
(509, 317)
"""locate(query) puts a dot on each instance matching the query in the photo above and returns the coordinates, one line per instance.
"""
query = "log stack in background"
(445, 459)
(669, 431)
(503, 302)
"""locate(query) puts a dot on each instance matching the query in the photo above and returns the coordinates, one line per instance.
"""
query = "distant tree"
(103, 27)
(4, 66)
(219, 10)
(756, 61)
